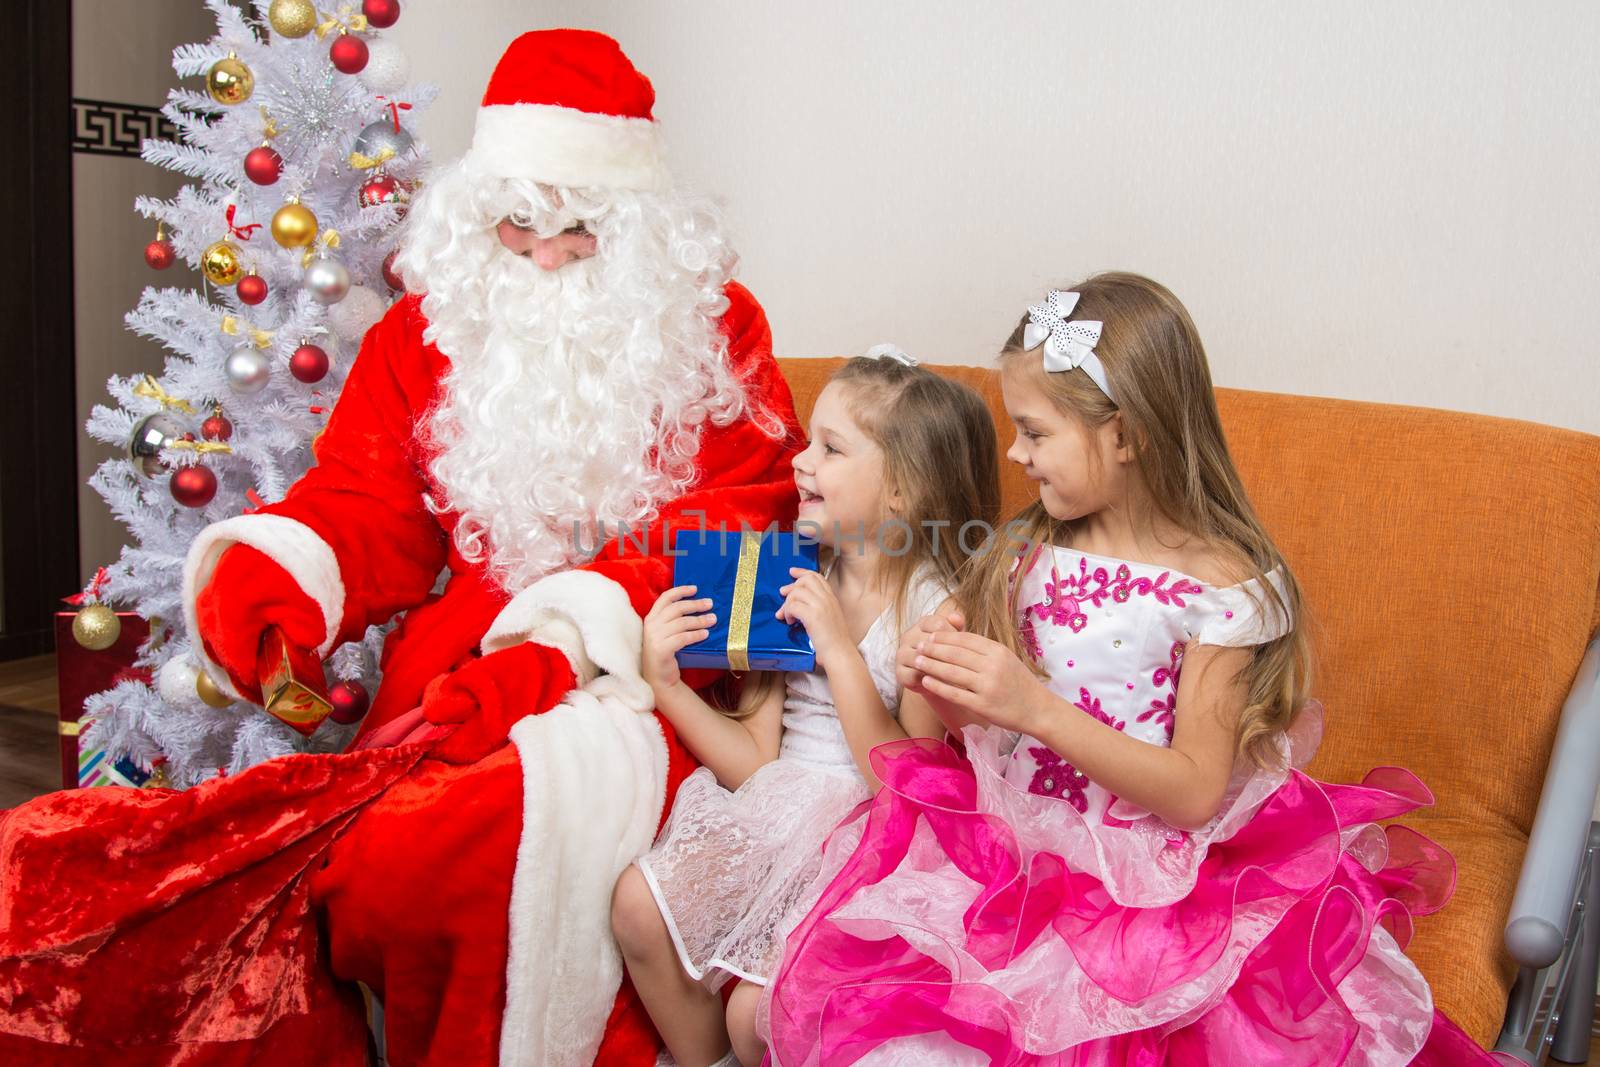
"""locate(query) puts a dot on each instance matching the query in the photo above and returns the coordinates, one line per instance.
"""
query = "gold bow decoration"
(203, 448)
(361, 162)
(232, 326)
(269, 125)
(346, 19)
(151, 389)
(326, 241)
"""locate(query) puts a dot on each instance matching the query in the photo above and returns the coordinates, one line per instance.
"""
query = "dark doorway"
(38, 485)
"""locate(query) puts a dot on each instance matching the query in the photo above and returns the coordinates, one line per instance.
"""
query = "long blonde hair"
(1157, 370)
(940, 454)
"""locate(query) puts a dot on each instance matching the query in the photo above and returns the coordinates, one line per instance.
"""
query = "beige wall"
(1391, 202)
(121, 52)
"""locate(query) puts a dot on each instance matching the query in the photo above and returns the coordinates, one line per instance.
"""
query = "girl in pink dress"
(1119, 862)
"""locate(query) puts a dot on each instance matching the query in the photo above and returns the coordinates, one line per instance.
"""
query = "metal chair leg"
(1572, 1035)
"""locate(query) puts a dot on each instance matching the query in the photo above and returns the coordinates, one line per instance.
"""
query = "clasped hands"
(969, 678)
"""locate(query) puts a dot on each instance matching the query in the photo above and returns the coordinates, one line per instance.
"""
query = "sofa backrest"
(1451, 566)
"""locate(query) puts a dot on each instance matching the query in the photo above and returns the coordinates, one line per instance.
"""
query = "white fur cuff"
(292, 545)
(590, 619)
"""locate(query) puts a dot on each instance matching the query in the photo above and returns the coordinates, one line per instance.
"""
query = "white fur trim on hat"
(589, 618)
(594, 778)
(292, 545)
(564, 146)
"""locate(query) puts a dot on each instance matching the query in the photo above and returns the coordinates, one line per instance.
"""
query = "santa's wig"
(576, 397)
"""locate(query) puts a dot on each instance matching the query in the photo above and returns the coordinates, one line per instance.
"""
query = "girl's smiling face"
(840, 473)
(1080, 470)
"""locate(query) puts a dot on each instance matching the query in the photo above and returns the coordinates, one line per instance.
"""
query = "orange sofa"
(1451, 564)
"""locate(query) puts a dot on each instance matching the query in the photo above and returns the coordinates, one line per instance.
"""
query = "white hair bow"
(1067, 345)
(888, 351)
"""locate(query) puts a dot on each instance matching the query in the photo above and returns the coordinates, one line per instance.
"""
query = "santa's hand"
(247, 593)
(674, 622)
(488, 695)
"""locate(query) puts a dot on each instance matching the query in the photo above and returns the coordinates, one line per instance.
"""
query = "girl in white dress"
(899, 460)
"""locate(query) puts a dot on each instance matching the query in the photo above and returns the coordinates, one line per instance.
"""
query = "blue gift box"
(742, 572)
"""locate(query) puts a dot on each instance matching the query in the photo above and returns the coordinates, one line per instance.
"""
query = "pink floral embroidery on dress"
(1163, 707)
(1054, 776)
(1065, 597)
(1030, 638)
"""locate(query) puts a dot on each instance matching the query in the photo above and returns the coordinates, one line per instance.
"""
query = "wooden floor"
(30, 760)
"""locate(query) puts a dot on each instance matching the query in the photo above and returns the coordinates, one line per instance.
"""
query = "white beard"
(575, 398)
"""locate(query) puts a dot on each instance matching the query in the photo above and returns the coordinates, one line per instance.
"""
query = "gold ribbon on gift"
(327, 241)
(361, 162)
(744, 598)
(231, 326)
(68, 729)
(346, 19)
(151, 389)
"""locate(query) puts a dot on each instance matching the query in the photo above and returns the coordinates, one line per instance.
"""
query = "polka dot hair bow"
(888, 351)
(1067, 345)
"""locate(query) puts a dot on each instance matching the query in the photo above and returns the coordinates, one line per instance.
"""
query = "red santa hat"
(567, 107)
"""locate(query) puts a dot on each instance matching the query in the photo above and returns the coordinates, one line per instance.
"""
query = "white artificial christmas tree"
(302, 168)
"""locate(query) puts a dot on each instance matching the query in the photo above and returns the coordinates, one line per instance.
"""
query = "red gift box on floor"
(81, 673)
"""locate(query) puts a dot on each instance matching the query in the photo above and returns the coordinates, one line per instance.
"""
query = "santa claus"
(573, 362)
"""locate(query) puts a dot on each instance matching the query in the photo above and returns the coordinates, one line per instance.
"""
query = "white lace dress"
(733, 871)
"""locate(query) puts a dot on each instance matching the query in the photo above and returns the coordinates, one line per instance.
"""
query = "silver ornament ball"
(248, 371)
(387, 70)
(353, 316)
(175, 682)
(326, 280)
(381, 139)
(150, 435)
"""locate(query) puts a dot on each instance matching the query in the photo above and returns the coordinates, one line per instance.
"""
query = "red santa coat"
(473, 899)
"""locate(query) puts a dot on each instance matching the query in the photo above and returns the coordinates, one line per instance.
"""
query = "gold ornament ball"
(293, 225)
(292, 18)
(96, 627)
(208, 692)
(221, 263)
(229, 81)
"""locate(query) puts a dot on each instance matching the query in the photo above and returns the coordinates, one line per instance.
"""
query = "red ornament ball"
(390, 277)
(160, 254)
(193, 487)
(380, 190)
(252, 289)
(348, 54)
(309, 364)
(381, 13)
(349, 700)
(216, 428)
(263, 165)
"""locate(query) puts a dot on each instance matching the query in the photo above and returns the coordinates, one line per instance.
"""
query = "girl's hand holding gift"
(811, 601)
(982, 678)
(673, 623)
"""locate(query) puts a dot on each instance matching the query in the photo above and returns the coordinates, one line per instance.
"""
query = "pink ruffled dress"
(998, 907)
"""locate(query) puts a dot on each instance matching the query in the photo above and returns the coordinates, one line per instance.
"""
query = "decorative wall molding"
(106, 128)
